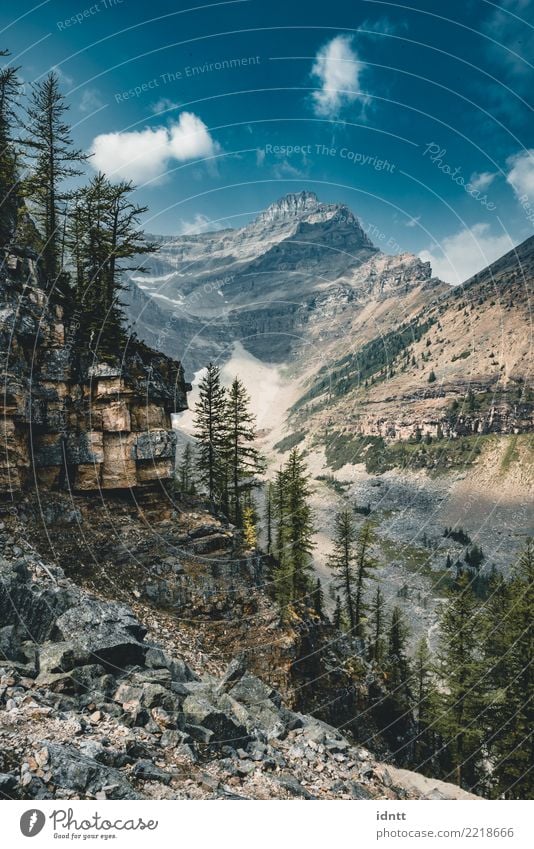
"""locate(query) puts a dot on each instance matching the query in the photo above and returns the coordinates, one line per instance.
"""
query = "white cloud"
(90, 100)
(164, 104)
(465, 253)
(338, 70)
(521, 173)
(482, 180)
(147, 154)
(199, 224)
(413, 222)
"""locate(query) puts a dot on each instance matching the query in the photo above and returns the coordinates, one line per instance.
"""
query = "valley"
(408, 396)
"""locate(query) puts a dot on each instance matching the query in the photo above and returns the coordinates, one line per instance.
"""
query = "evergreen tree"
(104, 237)
(337, 619)
(9, 194)
(318, 598)
(299, 524)
(294, 529)
(425, 703)
(511, 742)
(250, 536)
(186, 471)
(342, 563)
(398, 704)
(377, 646)
(269, 517)
(244, 460)
(282, 572)
(54, 160)
(210, 430)
(461, 701)
(365, 564)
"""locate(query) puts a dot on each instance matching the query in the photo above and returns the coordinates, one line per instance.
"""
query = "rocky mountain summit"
(264, 283)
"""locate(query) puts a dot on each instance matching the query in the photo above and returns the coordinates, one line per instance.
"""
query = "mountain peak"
(290, 205)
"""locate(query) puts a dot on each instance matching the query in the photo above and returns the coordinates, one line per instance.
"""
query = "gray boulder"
(72, 770)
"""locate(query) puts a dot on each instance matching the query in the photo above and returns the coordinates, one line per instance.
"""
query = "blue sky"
(418, 116)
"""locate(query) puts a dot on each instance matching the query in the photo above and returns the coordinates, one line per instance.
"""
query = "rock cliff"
(70, 419)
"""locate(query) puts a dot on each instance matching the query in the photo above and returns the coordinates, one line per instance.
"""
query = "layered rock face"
(69, 419)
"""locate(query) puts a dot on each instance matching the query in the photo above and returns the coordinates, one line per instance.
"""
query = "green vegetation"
(290, 441)
(87, 237)
(293, 529)
(373, 361)
(337, 486)
(436, 455)
(352, 564)
(227, 460)
(511, 455)
(463, 356)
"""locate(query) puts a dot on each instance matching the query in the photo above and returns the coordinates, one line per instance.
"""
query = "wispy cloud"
(521, 173)
(90, 100)
(465, 253)
(147, 154)
(481, 180)
(198, 224)
(164, 104)
(338, 71)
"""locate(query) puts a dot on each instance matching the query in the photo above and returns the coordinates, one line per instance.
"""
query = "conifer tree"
(377, 646)
(244, 460)
(186, 471)
(425, 703)
(511, 742)
(337, 618)
(299, 522)
(365, 565)
(398, 704)
(54, 160)
(9, 193)
(210, 429)
(282, 572)
(294, 529)
(318, 598)
(250, 536)
(342, 563)
(269, 517)
(104, 237)
(461, 701)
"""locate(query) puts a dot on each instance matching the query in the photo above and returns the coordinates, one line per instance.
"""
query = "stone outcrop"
(91, 710)
(68, 418)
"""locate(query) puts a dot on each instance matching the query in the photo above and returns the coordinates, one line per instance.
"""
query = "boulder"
(109, 631)
(72, 770)
(148, 771)
(199, 711)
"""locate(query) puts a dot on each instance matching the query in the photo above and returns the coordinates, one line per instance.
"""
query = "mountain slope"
(268, 283)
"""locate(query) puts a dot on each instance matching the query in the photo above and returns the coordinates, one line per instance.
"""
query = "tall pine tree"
(210, 433)
(106, 242)
(511, 742)
(365, 565)
(342, 563)
(461, 669)
(245, 462)
(54, 160)
(9, 193)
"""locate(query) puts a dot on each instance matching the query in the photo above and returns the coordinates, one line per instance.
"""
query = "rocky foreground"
(90, 708)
